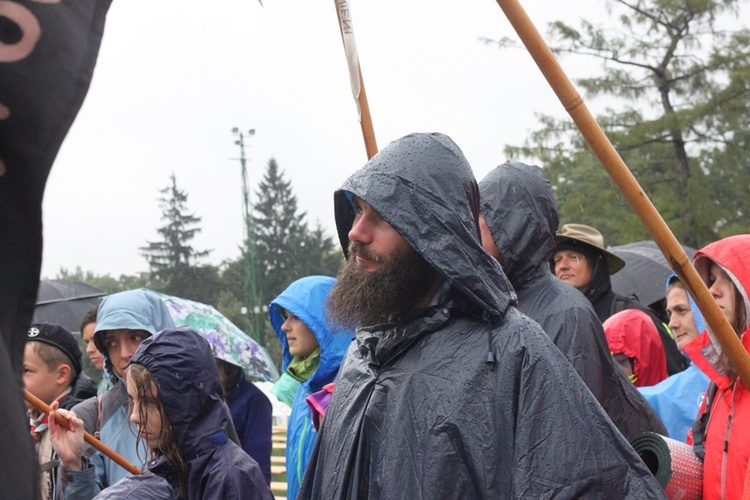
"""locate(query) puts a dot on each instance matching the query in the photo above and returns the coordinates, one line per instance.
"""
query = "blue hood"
(697, 315)
(133, 310)
(182, 364)
(306, 299)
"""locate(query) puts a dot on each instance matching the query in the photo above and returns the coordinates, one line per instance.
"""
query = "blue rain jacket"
(677, 398)
(135, 310)
(183, 367)
(306, 298)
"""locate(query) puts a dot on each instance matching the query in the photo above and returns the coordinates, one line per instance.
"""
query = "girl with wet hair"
(176, 403)
(148, 413)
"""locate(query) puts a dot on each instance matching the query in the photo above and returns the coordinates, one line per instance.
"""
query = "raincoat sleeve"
(578, 336)
(256, 436)
(146, 487)
(81, 484)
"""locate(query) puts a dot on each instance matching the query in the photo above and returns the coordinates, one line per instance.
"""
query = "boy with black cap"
(51, 365)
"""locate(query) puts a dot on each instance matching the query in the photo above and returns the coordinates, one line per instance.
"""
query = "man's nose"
(361, 231)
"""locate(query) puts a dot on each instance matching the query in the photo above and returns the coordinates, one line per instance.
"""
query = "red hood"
(732, 254)
(633, 333)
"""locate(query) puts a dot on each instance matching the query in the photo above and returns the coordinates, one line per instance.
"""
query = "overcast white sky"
(175, 76)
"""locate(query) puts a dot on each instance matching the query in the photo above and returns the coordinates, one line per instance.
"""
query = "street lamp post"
(250, 289)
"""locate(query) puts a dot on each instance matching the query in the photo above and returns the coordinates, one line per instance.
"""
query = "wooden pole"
(365, 120)
(116, 457)
(628, 185)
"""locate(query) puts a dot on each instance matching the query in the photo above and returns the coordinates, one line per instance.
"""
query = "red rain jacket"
(724, 471)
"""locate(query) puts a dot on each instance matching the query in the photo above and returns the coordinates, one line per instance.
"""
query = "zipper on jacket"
(727, 432)
(300, 470)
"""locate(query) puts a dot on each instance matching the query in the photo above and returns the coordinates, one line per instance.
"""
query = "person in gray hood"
(518, 224)
(124, 320)
(448, 391)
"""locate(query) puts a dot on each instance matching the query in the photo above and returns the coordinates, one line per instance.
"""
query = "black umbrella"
(65, 302)
(646, 271)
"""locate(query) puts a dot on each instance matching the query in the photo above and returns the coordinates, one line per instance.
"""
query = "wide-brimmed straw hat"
(586, 237)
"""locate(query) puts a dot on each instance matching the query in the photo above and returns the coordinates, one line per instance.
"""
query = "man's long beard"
(365, 298)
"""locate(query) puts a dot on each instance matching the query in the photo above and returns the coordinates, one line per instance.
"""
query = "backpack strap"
(701, 423)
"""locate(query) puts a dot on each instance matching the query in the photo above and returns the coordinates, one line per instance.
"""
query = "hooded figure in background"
(519, 222)
(453, 393)
(636, 346)
(139, 314)
(305, 299)
(217, 468)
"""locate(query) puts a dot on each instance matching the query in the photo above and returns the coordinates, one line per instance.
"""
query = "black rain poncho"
(418, 412)
(521, 213)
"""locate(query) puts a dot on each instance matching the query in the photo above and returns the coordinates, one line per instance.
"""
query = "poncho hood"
(521, 213)
(733, 256)
(423, 186)
(183, 367)
(633, 333)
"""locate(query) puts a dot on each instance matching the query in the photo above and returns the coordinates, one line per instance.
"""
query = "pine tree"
(286, 249)
(279, 230)
(319, 254)
(173, 261)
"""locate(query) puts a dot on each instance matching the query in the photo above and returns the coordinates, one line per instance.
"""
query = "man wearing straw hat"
(582, 262)
(448, 391)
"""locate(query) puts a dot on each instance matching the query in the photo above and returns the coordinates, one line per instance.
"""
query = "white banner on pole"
(350, 49)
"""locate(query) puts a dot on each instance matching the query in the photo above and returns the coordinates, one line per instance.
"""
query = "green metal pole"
(251, 297)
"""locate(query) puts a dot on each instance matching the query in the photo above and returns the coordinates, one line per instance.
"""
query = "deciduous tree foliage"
(675, 75)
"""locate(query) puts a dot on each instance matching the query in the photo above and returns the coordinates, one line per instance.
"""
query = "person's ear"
(63, 374)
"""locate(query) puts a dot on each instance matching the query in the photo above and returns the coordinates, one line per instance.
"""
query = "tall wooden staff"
(106, 450)
(627, 184)
(355, 75)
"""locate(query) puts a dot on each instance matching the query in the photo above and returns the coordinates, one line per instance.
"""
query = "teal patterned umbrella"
(228, 342)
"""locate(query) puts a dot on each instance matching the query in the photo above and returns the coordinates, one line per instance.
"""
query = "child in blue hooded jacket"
(124, 320)
(312, 354)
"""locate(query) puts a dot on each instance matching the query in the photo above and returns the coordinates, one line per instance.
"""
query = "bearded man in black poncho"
(448, 391)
